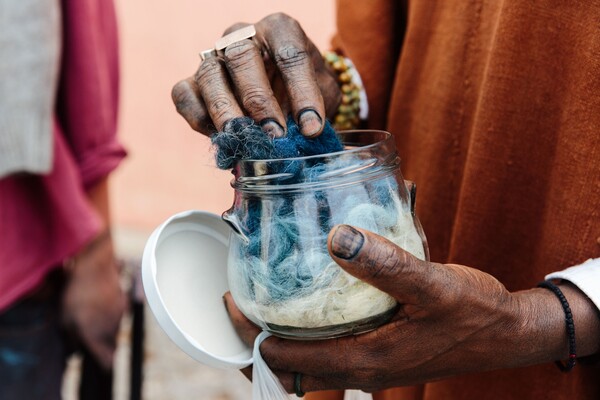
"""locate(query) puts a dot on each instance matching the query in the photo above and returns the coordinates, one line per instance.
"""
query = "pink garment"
(45, 219)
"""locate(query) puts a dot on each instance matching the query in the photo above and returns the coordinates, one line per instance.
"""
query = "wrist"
(99, 200)
(586, 318)
(542, 335)
(542, 331)
(517, 333)
(95, 259)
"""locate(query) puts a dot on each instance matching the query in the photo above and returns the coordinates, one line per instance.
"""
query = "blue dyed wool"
(296, 145)
(242, 139)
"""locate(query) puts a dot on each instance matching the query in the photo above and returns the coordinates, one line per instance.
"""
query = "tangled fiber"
(242, 139)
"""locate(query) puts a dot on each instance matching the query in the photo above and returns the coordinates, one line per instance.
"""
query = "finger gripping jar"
(280, 273)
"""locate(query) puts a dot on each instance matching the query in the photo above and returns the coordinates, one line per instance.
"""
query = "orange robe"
(496, 109)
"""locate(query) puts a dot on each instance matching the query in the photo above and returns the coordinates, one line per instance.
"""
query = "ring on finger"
(247, 32)
(208, 53)
(297, 383)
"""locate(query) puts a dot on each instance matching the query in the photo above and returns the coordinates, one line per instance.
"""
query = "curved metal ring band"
(209, 53)
(297, 383)
(247, 32)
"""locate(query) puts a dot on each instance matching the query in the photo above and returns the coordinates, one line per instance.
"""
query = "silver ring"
(247, 32)
(209, 53)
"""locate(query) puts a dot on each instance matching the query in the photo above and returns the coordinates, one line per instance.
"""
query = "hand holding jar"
(452, 320)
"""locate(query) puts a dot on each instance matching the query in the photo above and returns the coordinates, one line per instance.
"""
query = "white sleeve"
(585, 276)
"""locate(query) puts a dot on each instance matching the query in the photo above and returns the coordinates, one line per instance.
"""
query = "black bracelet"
(564, 366)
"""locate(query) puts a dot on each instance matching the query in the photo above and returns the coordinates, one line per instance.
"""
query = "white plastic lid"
(184, 272)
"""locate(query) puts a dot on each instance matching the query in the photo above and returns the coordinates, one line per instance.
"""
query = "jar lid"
(184, 273)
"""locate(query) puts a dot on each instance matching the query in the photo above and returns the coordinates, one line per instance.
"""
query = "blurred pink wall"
(170, 167)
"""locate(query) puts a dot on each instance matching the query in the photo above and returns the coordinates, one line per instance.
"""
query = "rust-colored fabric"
(496, 109)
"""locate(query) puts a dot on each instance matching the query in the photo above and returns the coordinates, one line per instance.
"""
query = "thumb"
(379, 262)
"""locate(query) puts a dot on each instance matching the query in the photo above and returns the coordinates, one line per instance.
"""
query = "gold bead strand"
(346, 116)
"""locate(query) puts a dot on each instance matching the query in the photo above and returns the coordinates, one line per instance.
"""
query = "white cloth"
(265, 384)
(357, 395)
(585, 276)
(30, 42)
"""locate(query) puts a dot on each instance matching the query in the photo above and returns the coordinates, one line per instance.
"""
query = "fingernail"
(272, 128)
(310, 122)
(346, 242)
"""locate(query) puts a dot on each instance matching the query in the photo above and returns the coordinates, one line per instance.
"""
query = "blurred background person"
(158, 41)
(59, 281)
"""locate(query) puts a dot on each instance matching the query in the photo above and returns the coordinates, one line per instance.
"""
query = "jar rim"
(374, 152)
(387, 137)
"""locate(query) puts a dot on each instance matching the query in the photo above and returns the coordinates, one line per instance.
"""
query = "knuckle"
(240, 52)
(219, 105)
(256, 99)
(385, 261)
(209, 73)
(290, 56)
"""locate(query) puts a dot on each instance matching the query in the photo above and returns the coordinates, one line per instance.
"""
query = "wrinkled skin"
(452, 320)
(277, 73)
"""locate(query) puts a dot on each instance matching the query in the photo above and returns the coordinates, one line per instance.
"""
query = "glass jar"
(280, 273)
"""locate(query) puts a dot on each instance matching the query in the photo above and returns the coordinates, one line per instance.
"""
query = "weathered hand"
(278, 72)
(93, 302)
(452, 319)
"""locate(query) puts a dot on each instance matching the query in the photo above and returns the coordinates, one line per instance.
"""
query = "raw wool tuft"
(242, 139)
